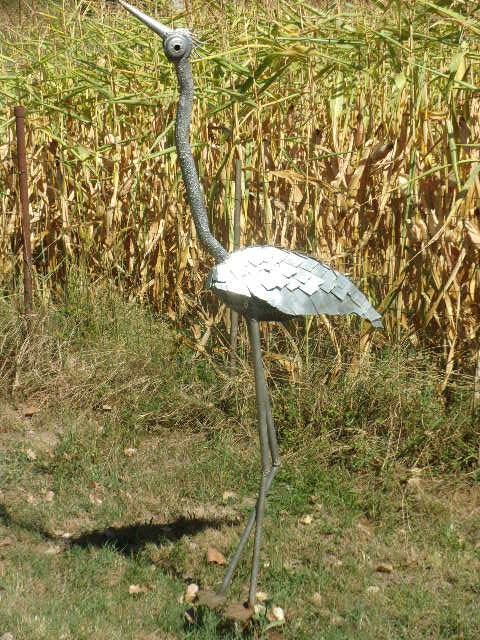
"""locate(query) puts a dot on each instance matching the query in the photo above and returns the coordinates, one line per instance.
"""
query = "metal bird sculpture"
(261, 283)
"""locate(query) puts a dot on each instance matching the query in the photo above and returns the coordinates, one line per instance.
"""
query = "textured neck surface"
(187, 163)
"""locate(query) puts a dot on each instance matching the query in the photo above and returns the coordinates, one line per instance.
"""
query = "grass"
(118, 442)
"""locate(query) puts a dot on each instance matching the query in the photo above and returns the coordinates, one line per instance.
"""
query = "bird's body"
(261, 283)
(271, 283)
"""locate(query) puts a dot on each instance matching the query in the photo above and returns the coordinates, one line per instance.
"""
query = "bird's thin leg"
(243, 540)
(272, 434)
(264, 413)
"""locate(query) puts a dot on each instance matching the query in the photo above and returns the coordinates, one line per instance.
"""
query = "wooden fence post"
(24, 211)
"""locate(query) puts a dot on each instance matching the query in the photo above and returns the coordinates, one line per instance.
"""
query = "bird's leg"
(263, 418)
(272, 434)
(243, 540)
(263, 401)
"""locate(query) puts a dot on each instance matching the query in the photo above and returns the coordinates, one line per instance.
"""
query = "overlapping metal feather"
(270, 283)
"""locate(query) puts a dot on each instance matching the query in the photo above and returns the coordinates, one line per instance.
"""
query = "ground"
(122, 463)
(89, 514)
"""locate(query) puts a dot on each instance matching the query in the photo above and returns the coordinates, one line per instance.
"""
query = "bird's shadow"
(127, 539)
(131, 539)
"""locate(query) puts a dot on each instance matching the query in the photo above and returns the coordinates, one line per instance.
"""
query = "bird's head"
(177, 43)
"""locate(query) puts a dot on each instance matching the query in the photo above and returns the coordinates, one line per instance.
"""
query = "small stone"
(7, 636)
(129, 452)
(337, 620)
(260, 609)
(317, 599)
(49, 496)
(306, 519)
(229, 495)
(106, 407)
(5, 542)
(31, 455)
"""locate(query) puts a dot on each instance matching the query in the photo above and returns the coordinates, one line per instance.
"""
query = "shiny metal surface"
(155, 26)
(270, 283)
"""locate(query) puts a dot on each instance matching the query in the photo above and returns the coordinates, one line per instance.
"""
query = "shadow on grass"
(132, 538)
(129, 539)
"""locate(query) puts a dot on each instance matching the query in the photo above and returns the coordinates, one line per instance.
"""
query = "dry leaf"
(30, 411)
(31, 455)
(106, 407)
(190, 616)
(307, 519)
(380, 151)
(7, 636)
(134, 589)
(337, 620)
(130, 451)
(239, 612)
(215, 557)
(261, 596)
(415, 483)
(94, 499)
(229, 495)
(191, 592)
(5, 542)
(473, 232)
(276, 614)
(365, 528)
(317, 599)
(260, 609)
(49, 496)
(384, 567)
(52, 550)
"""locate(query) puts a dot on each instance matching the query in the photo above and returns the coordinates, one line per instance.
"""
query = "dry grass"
(357, 130)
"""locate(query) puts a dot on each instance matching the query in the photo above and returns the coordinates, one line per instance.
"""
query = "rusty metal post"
(236, 244)
(24, 209)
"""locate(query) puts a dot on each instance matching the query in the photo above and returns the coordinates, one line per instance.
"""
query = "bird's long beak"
(158, 27)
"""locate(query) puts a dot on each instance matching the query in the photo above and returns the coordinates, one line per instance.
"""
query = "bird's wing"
(295, 284)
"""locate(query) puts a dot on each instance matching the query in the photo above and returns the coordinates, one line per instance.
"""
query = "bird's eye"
(176, 46)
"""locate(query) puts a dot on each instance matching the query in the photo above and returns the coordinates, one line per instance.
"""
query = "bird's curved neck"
(187, 163)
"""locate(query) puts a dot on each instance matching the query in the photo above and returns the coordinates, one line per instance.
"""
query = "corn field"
(358, 129)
